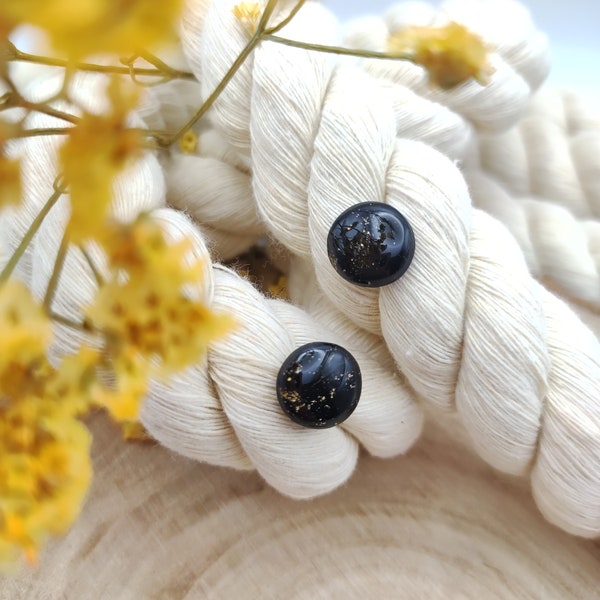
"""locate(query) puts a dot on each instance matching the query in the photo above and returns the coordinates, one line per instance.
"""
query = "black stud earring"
(371, 244)
(319, 385)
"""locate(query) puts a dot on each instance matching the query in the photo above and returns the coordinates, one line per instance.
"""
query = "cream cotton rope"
(554, 244)
(414, 117)
(548, 164)
(519, 54)
(209, 183)
(559, 248)
(224, 410)
(235, 429)
(551, 154)
(541, 179)
(216, 194)
(467, 325)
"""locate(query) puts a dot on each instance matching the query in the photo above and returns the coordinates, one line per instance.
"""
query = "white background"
(573, 27)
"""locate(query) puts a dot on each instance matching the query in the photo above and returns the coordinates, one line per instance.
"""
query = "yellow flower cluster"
(44, 450)
(151, 323)
(87, 27)
(248, 13)
(96, 150)
(451, 54)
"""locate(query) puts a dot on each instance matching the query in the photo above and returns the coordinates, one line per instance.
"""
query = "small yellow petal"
(88, 27)
(188, 142)
(248, 13)
(280, 288)
(96, 150)
(451, 54)
(134, 431)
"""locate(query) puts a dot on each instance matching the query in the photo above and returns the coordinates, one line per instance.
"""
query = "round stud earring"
(371, 244)
(319, 385)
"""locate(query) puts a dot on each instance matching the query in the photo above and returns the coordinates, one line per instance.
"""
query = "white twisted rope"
(550, 158)
(217, 195)
(552, 154)
(209, 183)
(559, 248)
(224, 410)
(518, 52)
(467, 325)
(541, 179)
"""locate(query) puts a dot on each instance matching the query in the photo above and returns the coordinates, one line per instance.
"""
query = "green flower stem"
(48, 110)
(14, 99)
(336, 49)
(56, 271)
(166, 141)
(93, 268)
(33, 229)
(19, 56)
(285, 21)
(25, 133)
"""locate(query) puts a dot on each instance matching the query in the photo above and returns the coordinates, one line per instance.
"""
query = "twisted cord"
(208, 182)
(467, 325)
(223, 410)
(552, 154)
(218, 195)
(560, 249)
(541, 179)
(518, 52)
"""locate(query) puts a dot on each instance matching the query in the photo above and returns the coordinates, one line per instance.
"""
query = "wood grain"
(437, 523)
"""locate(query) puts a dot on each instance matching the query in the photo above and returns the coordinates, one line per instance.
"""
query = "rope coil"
(223, 411)
(467, 325)
(466, 329)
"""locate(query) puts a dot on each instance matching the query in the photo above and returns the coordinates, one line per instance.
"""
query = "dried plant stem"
(20, 56)
(25, 133)
(69, 322)
(165, 141)
(56, 271)
(33, 229)
(336, 49)
(49, 110)
(93, 268)
(285, 21)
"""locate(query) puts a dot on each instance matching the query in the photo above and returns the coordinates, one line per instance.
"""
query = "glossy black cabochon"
(319, 385)
(371, 244)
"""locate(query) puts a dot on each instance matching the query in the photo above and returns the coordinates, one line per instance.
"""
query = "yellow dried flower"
(451, 54)
(44, 450)
(123, 399)
(43, 480)
(94, 26)
(188, 143)
(25, 331)
(248, 13)
(74, 382)
(96, 150)
(152, 326)
(134, 431)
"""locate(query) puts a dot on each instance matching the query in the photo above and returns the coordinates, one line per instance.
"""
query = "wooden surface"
(437, 523)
